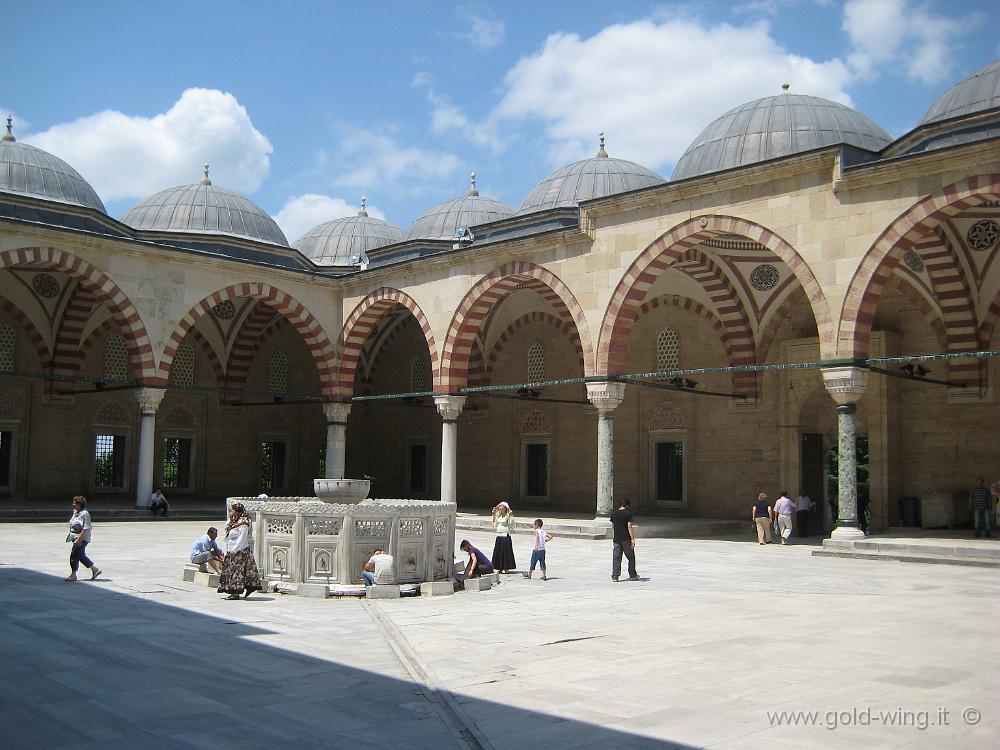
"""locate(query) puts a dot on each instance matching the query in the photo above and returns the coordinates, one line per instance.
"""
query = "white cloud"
(19, 124)
(376, 160)
(125, 156)
(484, 33)
(303, 212)
(653, 86)
(896, 33)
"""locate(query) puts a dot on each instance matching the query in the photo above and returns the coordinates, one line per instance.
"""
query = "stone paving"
(716, 635)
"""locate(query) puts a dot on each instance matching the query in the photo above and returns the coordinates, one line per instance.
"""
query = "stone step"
(570, 530)
(974, 562)
(648, 527)
(50, 515)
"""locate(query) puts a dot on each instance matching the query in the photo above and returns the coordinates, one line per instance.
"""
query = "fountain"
(311, 545)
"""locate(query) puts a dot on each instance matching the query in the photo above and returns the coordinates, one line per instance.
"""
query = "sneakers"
(94, 572)
(614, 579)
(71, 577)
(634, 578)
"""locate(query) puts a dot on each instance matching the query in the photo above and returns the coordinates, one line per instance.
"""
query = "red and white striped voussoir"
(536, 316)
(36, 338)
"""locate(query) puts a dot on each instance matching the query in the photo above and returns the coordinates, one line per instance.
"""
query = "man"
(378, 569)
(803, 505)
(207, 552)
(479, 562)
(981, 499)
(158, 502)
(624, 541)
(784, 509)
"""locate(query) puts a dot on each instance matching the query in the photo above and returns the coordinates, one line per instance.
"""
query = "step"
(50, 515)
(974, 562)
(583, 530)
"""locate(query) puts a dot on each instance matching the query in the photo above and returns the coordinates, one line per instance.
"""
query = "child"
(540, 537)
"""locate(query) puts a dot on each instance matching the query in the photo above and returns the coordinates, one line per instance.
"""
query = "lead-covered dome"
(26, 170)
(337, 242)
(204, 208)
(977, 93)
(470, 210)
(773, 127)
(595, 177)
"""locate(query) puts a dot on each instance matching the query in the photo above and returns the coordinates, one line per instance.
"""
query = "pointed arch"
(535, 316)
(489, 291)
(36, 338)
(101, 286)
(619, 318)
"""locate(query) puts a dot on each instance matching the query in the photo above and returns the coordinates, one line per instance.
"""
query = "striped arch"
(211, 356)
(362, 323)
(619, 318)
(532, 317)
(293, 311)
(36, 338)
(769, 330)
(241, 353)
(490, 291)
(932, 315)
(68, 352)
(910, 229)
(123, 312)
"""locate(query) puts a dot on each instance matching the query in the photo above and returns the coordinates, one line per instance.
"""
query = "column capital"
(605, 395)
(449, 407)
(149, 399)
(337, 412)
(846, 384)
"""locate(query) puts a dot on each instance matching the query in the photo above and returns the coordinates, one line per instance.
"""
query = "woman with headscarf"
(239, 569)
(503, 550)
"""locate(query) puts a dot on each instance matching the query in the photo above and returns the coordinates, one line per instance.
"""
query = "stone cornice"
(312, 507)
(915, 166)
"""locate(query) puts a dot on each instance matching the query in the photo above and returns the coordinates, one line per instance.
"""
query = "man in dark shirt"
(624, 541)
(981, 499)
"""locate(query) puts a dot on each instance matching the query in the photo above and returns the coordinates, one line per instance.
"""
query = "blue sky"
(305, 106)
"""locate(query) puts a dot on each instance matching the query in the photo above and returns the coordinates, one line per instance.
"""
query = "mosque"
(805, 298)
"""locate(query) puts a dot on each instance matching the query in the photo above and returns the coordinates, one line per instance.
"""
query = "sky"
(304, 107)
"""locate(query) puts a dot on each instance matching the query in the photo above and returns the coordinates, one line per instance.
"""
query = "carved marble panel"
(280, 525)
(411, 527)
(323, 526)
(370, 528)
(409, 562)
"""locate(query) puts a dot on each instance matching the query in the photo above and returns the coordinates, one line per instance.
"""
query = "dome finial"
(472, 184)
(364, 204)
(785, 86)
(601, 153)
(205, 180)
(9, 135)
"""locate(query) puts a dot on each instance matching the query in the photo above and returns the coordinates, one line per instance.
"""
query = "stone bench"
(382, 591)
(480, 583)
(200, 574)
(437, 588)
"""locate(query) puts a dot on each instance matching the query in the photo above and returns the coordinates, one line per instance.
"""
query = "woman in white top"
(80, 528)
(503, 550)
(239, 569)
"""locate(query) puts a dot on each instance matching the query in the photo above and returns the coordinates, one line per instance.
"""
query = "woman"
(80, 527)
(239, 569)
(762, 515)
(503, 550)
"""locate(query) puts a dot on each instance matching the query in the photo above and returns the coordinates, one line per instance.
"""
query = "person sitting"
(378, 569)
(206, 552)
(479, 563)
(158, 502)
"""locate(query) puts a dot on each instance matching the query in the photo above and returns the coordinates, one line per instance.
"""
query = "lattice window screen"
(8, 348)
(182, 370)
(536, 362)
(419, 374)
(668, 350)
(277, 373)
(115, 357)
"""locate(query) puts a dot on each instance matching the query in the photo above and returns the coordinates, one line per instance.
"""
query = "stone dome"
(26, 170)
(979, 92)
(334, 243)
(470, 210)
(773, 127)
(595, 177)
(204, 208)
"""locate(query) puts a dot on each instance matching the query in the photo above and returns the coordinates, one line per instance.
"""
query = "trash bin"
(909, 511)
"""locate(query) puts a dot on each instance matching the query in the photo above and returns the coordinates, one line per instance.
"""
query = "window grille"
(109, 461)
(8, 348)
(536, 362)
(272, 465)
(182, 370)
(176, 468)
(418, 374)
(668, 350)
(115, 357)
(277, 373)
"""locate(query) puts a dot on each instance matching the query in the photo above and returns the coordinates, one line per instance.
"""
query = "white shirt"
(539, 539)
(802, 502)
(383, 568)
(238, 538)
(81, 521)
(157, 497)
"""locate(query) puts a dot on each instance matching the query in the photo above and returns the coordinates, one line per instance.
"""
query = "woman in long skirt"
(503, 550)
(239, 569)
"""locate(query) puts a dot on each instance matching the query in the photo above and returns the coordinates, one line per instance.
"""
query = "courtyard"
(722, 644)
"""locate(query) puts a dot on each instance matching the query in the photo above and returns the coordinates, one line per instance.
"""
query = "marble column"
(605, 397)
(847, 385)
(336, 439)
(149, 402)
(449, 407)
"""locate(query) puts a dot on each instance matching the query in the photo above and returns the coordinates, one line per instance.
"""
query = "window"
(418, 374)
(669, 472)
(416, 469)
(536, 362)
(272, 465)
(182, 370)
(175, 472)
(535, 470)
(115, 358)
(322, 461)
(6, 458)
(277, 374)
(8, 348)
(109, 461)
(668, 350)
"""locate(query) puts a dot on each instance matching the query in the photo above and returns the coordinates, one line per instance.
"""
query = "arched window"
(8, 348)
(182, 370)
(668, 350)
(419, 374)
(277, 373)
(536, 362)
(115, 357)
